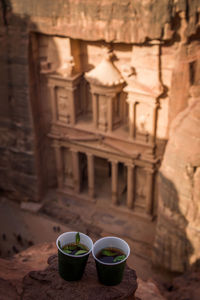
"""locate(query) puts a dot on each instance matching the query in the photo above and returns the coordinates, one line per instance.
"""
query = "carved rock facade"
(104, 120)
(53, 94)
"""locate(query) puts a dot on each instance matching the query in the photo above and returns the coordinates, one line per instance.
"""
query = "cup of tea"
(110, 254)
(74, 249)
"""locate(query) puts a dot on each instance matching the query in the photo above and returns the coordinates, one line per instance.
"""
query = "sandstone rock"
(185, 287)
(47, 283)
(31, 206)
(120, 21)
(177, 240)
(20, 279)
(147, 290)
(13, 270)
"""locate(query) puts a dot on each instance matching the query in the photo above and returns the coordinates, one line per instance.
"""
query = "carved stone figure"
(67, 68)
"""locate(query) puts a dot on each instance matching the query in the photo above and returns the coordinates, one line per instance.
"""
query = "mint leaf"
(67, 251)
(119, 258)
(80, 252)
(108, 253)
(69, 247)
(77, 238)
(82, 247)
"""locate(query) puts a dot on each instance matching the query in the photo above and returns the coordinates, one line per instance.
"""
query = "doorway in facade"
(102, 179)
(83, 173)
(122, 184)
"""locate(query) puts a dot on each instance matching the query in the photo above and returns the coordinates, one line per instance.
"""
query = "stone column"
(53, 102)
(59, 165)
(131, 121)
(94, 109)
(149, 190)
(76, 170)
(130, 185)
(110, 113)
(72, 113)
(114, 174)
(90, 167)
(155, 119)
(132, 118)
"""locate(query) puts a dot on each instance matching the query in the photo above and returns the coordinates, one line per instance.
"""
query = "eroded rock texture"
(185, 287)
(20, 278)
(177, 241)
(119, 21)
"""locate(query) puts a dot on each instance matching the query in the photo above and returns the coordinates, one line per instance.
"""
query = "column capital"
(130, 164)
(70, 89)
(51, 85)
(89, 154)
(56, 144)
(131, 101)
(110, 96)
(74, 150)
(150, 170)
(114, 161)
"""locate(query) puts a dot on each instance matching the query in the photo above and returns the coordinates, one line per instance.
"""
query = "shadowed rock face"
(119, 21)
(177, 241)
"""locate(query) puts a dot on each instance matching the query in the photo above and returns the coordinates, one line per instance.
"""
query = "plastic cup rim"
(70, 255)
(111, 264)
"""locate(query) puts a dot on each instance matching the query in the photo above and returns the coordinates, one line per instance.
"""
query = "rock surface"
(177, 240)
(185, 287)
(20, 279)
(12, 271)
(148, 290)
(119, 21)
(47, 284)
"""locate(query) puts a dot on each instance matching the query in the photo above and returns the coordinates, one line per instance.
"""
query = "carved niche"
(64, 93)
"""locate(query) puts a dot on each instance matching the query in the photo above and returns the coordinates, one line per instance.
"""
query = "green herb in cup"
(75, 248)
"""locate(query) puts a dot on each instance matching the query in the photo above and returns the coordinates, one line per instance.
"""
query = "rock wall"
(113, 21)
(177, 240)
(17, 168)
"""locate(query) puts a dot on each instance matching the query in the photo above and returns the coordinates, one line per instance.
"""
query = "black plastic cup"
(72, 267)
(110, 273)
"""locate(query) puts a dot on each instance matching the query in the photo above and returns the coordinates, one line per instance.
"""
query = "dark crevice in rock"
(5, 7)
(187, 12)
(195, 36)
(192, 67)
